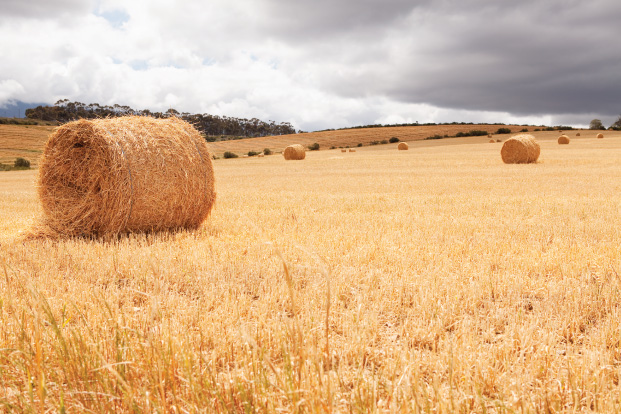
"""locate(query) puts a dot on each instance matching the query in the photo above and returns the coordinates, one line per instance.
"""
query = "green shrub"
(314, 147)
(524, 130)
(384, 141)
(229, 154)
(253, 153)
(503, 131)
(374, 143)
(435, 137)
(21, 163)
(360, 144)
(393, 140)
(267, 151)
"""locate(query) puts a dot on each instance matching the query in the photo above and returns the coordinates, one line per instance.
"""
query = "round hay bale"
(126, 174)
(499, 140)
(294, 152)
(520, 149)
(352, 150)
(343, 150)
(563, 139)
(578, 134)
(491, 141)
(403, 146)
(600, 135)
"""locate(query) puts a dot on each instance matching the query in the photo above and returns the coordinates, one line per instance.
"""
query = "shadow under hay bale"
(520, 149)
(294, 152)
(563, 139)
(122, 175)
(403, 146)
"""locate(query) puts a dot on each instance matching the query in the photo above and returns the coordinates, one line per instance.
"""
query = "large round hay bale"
(295, 152)
(125, 174)
(403, 146)
(600, 135)
(563, 139)
(520, 149)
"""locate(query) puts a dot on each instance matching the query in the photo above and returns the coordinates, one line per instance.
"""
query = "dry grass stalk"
(403, 146)
(600, 135)
(520, 149)
(295, 152)
(124, 175)
(563, 139)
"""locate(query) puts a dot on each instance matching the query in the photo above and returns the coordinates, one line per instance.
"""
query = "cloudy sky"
(321, 63)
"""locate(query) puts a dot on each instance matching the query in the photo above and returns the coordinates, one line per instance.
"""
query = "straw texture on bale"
(563, 139)
(600, 135)
(520, 149)
(403, 146)
(294, 152)
(126, 174)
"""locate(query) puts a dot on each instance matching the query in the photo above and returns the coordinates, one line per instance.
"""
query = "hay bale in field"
(294, 152)
(600, 135)
(352, 150)
(491, 141)
(520, 149)
(126, 174)
(343, 150)
(563, 139)
(403, 146)
(489, 135)
(499, 140)
(578, 134)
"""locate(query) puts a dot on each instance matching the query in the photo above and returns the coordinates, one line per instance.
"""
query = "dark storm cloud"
(525, 58)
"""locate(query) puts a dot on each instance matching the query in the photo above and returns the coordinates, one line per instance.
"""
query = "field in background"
(28, 141)
(455, 283)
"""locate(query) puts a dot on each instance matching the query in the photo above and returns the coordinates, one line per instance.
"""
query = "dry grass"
(22, 141)
(447, 290)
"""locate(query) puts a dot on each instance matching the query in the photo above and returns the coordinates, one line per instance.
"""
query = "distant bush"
(393, 140)
(374, 143)
(536, 129)
(384, 141)
(524, 130)
(229, 154)
(267, 151)
(21, 163)
(253, 153)
(503, 131)
(472, 133)
(360, 144)
(314, 147)
(549, 129)
(435, 137)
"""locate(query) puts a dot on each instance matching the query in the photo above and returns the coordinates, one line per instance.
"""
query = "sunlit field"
(436, 279)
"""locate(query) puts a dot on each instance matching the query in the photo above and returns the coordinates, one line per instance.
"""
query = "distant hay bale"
(352, 150)
(343, 150)
(578, 134)
(499, 140)
(520, 149)
(489, 135)
(563, 139)
(600, 135)
(126, 174)
(294, 152)
(403, 146)
(491, 141)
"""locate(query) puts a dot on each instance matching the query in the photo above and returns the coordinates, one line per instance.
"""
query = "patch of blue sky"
(115, 17)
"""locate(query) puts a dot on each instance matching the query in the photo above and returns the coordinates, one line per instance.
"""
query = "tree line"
(211, 126)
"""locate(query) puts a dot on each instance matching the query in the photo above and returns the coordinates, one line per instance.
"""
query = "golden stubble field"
(431, 280)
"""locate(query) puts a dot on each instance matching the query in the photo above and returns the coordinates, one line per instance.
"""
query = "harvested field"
(455, 283)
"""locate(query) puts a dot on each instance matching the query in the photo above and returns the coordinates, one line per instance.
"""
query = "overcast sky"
(321, 63)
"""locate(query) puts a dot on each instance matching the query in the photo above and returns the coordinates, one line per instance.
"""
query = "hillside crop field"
(431, 280)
